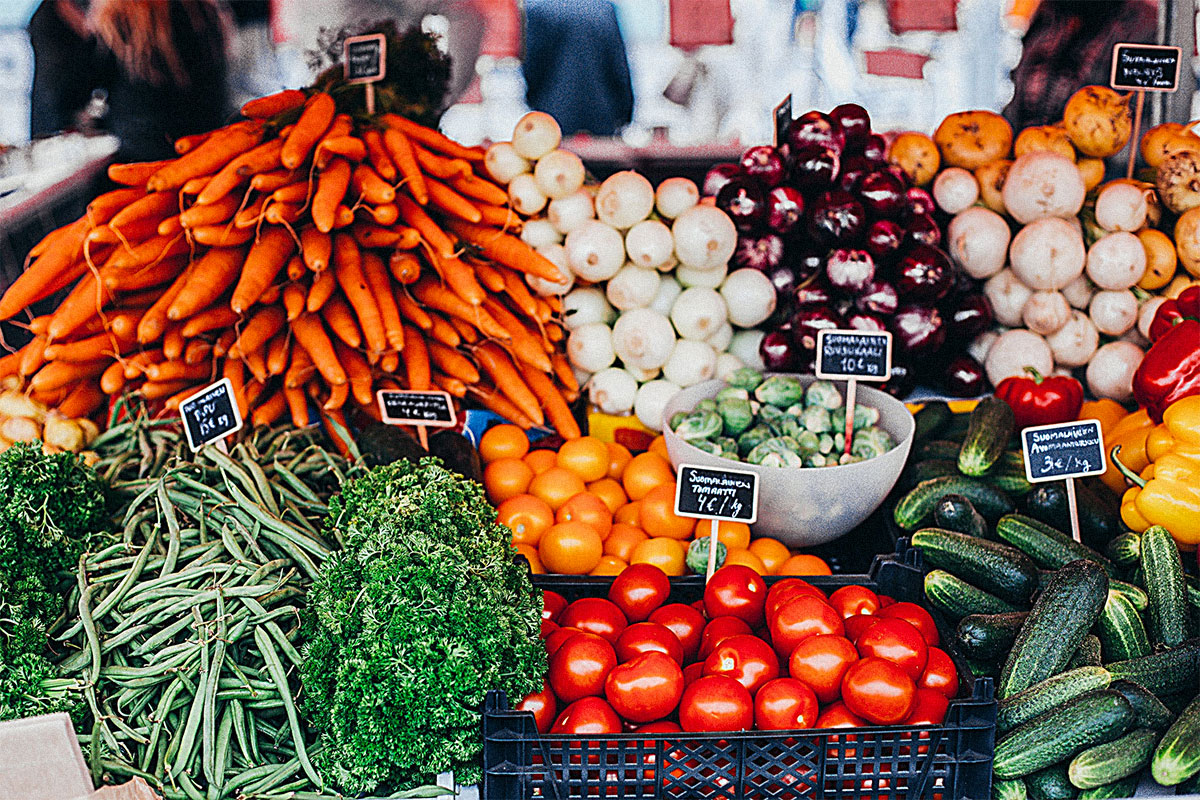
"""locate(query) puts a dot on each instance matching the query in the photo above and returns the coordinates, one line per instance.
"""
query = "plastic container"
(806, 507)
(949, 762)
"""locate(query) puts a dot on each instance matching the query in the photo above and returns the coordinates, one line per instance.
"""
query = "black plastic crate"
(950, 762)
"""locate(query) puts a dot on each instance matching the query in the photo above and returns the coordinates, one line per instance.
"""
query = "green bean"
(273, 778)
(114, 597)
(92, 634)
(189, 788)
(296, 485)
(221, 757)
(275, 667)
(210, 691)
(187, 741)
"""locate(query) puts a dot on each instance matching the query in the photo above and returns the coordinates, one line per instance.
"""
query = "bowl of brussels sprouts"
(790, 430)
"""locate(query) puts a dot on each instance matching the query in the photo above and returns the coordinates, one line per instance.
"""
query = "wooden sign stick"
(1072, 507)
(851, 391)
(712, 550)
(1133, 140)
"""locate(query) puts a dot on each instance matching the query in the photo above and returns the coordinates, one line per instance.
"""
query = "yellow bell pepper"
(1130, 435)
(1182, 419)
(1167, 490)
(1107, 412)
(1129, 513)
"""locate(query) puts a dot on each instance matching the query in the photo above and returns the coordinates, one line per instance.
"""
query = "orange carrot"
(316, 248)
(453, 203)
(154, 390)
(368, 183)
(283, 213)
(332, 184)
(295, 193)
(295, 268)
(170, 226)
(40, 279)
(264, 261)
(215, 152)
(297, 404)
(499, 217)
(349, 147)
(263, 158)
(489, 276)
(554, 335)
(416, 359)
(440, 166)
(256, 362)
(454, 386)
(414, 216)
(337, 397)
(368, 234)
(270, 410)
(84, 399)
(517, 291)
(90, 348)
(149, 251)
(278, 351)
(357, 371)
(153, 206)
(255, 333)
(431, 138)
(496, 363)
(212, 214)
(129, 235)
(400, 149)
(173, 341)
(210, 319)
(178, 371)
(137, 173)
(314, 120)
(236, 372)
(211, 274)
(557, 409)
(185, 144)
(343, 217)
(505, 249)
(104, 207)
(564, 373)
(224, 341)
(465, 329)
(443, 332)
(310, 333)
(197, 351)
(254, 389)
(128, 280)
(222, 235)
(342, 321)
(453, 363)
(112, 380)
(377, 155)
(525, 346)
(380, 284)
(497, 403)
(460, 278)
(154, 321)
(405, 267)
(33, 356)
(322, 287)
(299, 370)
(135, 365)
(83, 303)
(348, 268)
(59, 374)
(386, 214)
(482, 190)
(272, 104)
(410, 310)
(275, 179)
(428, 292)
(195, 186)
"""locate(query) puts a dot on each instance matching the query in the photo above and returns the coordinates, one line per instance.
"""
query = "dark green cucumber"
(1136, 595)
(1046, 545)
(915, 506)
(1012, 712)
(1009, 790)
(1051, 783)
(956, 598)
(938, 450)
(1177, 756)
(955, 513)
(1088, 654)
(957, 427)
(994, 567)
(987, 637)
(1112, 761)
(1150, 711)
(1099, 518)
(1166, 673)
(1122, 635)
(1163, 574)
(932, 417)
(987, 436)
(1125, 550)
(1015, 483)
(1059, 734)
(1112, 791)
(930, 468)
(1062, 615)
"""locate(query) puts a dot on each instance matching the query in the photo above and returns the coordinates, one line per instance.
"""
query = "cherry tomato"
(556, 638)
(784, 590)
(800, 618)
(594, 615)
(552, 604)
(715, 703)
(897, 641)
(587, 715)
(693, 671)
(685, 622)
(646, 637)
(821, 662)
(747, 659)
(736, 591)
(857, 624)
(852, 600)
(940, 674)
(914, 615)
(836, 715)
(639, 590)
(578, 668)
(543, 705)
(929, 708)
(646, 688)
(878, 691)
(720, 629)
(784, 704)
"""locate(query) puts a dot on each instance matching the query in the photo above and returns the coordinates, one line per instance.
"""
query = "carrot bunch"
(307, 256)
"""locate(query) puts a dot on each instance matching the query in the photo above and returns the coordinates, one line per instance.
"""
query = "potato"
(1098, 121)
(90, 430)
(20, 429)
(63, 433)
(15, 404)
(1044, 137)
(1187, 241)
(991, 177)
(970, 139)
(1178, 181)
(917, 155)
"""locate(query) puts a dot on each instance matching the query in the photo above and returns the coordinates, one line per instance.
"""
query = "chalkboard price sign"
(210, 414)
(858, 355)
(434, 409)
(716, 494)
(1145, 67)
(1065, 450)
(364, 58)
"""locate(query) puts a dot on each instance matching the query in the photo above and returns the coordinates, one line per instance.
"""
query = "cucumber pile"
(1095, 654)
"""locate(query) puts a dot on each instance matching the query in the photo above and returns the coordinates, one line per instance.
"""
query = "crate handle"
(915, 792)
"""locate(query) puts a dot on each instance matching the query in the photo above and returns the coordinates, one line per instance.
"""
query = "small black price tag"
(1065, 450)
(783, 118)
(364, 58)
(399, 407)
(1145, 67)
(210, 414)
(861, 355)
(707, 493)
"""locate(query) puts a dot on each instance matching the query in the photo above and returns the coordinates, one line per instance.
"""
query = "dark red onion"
(882, 194)
(853, 170)
(874, 149)
(923, 229)
(785, 209)
(862, 321)
(883, 239)
(813, 167)
(813, 127)
(765, 163)
(854, 121)
(743, 200)
(878, 297)
(777, 352)
(964, 377)
(918, 329)
(971, 316)
(810, 319)
(717, 176)
(924, 274)
(849, 270)
(837, 218)
(918, 201)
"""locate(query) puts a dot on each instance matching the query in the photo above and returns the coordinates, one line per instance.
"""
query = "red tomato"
(736, 591)
(784, 590)
(878, 691)
(914, 615)
(836, 715)
(720, 629)
(857, 624)
(645, 637)
(661, 726)
(800, 618)
(552, 604)
(897, 641)
(747, 659)
(549, 626)
(929, 708)
(543, 705)
(852, 600)
(594, 615)
(579, 667)
(646, 688)
(685, 622)
(940, 674)
(886, 600)
(821, 662)
(715, 703)
(556, 638)
(784, 704)
(639, 590)
(587, 715)
(693, 671)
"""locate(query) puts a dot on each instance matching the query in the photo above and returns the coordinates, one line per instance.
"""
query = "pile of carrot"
(307, 256)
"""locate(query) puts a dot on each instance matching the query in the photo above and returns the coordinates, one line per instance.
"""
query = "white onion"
(955, 190)
(1114, 311)
(525, 196)
(1147, 312)
(557, 255)
(664, 298)
(1008, 296)
(504, 163)
(1118, 261)
(1048, 253)
(643, 338)
(705, 237)
(721, 338)
(650, 244)
(1072, 345)
(745, 347)
(1110, 372)
(1045, 312)
(559, 173)
(651, 402)
(568, 213)
(690, 363)
(675, 196)
(1042, 184)
(1015, 350)
(586, 305)
(750, 297)
(539, 233)
(613, 391)
(978, 240)
(981, 344)
(702, 278)
(624, 199)
(1079, 292)
(632, 287)
(643, 375)
(590, 347)
(536, 134)
(1121, 206)
(698, 312)
(727, 363)
(595, 251)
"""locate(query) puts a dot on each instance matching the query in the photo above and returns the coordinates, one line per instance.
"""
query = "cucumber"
(987, 637)
(1190, 786)
(1112, 761)
(1015, 483)
(1166, 673)
(1163, 571)
(1150, 711)
(1122, 635)
(1087, 654)
(1049, 547)
(956, 598)
(1136, 595)
(930, 420)
(915, 506)
(983, 669)
(1099, 514)
(1117, 789)
(992, 566)
(955, 513)
(1012, 712)
(938, 450)
(987, 436)
(1062, 615)
(930, 468)
(1059, 734)
(1125, 550)
(1009, 790)
(1177, 757)
(1051, 783)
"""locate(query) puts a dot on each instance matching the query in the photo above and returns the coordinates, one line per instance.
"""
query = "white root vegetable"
(633, 287)
(750, 297)
(525, 196)
(955, 190)
(1015, 350)
(643, 375)
(586, 305)
(705, 237)
(726, 364)
(1079, 292)
(721, 338)
(1043, 184)
(613, 391)
(1114, 311)
(675, 196)
(1045, 312)
(557, 255)
(1073, 344)
(698, 312)
(568, 213)
(690, 363)
(1118, 261)
(650, 244)
(1146, 314)
(595, 251)
(590, 347)
(536, 134)
(559, 173)
(1008, 296)
(1110, 372)
(664, 298)
(1121, 206)
(978, 240)
(1048, 253)
(643, 338)
(703, 279)
(651, 401)
(539, 233)
(745, 346)
(504, 163)
(981, 344)
(624, 199)
(1134, 336)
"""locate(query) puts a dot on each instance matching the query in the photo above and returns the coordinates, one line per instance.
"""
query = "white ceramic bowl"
(809, 506)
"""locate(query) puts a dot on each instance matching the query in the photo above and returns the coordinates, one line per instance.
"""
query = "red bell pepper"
(1036, 400)
(1172, 312)
(1170, 370)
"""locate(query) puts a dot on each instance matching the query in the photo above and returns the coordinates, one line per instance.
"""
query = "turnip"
(595, 251)
(1178, 180)
(650, 244)
(632, 287)
(726, 364)
(721, 338)
(1072, 345)
(504, 163)
(1048, 253)
(705, 279)
(651, 402)
(1045, 312)
(1118, 261)
(539, 233)
(1110, 372)
(559, 173)
(664, 298)
(643, 375)
(1043, 184)
(525, 196)
(643, 338)
(705, 237)
(978, 239)
(1113, 311)
(1008, 296)
(1146, 314)
(750, 297)
(624, 199)
(1015, 350)
(590, 347)
(675, 196)
(745, 346)
(1079, 292)
(1187, 241)
(955, 190)
(570, 212)
(1134, 336)
(1121, 206)
(981, 344)
(690, 363)
(613, 391)
(536, 134)
(586, 305)
(698, 312)
(557, 255)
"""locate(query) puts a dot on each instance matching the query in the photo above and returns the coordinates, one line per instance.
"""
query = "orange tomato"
(586, 456)
(659, 447)
(644, 472)
(618, 458)
(528, 517)
(503, 441)
(505, 478)
(657, 515)
(771, 552)
(622, 540)
(804, 564)
(556, 486)
(740, 555)
(734, 535)
(628, 513)
(531, 554)
(610, 492)
(666, 554)
(589, 509)
(609, 565)
(540, 460)
(572, 548)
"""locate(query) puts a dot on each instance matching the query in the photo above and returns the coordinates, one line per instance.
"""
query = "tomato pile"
(743, 658)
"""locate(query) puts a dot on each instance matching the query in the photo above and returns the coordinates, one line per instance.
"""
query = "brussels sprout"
(824, 394)
(825, 443)
(774, 419)
(706, 405)
(744, 378)
(699, 425)
(779, 451)
(731, 392)
(736, 414)
(848, 458)
(729, 447)
(807, 442)
(752, 438)
(839, 440)
(708, 446)
(676, 418)
(817, 460)
(870, 442)
(780, 391)
(816, 419)
(864, 416)
(697, 555)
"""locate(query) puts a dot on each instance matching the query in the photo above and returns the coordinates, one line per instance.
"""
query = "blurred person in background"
(64, 65)
(575, 65)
